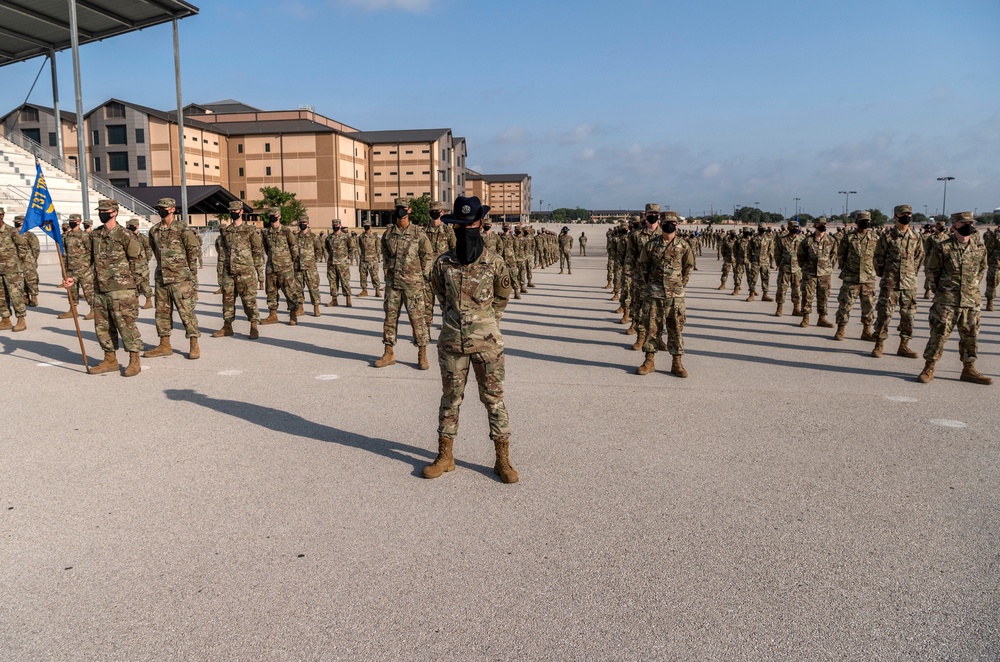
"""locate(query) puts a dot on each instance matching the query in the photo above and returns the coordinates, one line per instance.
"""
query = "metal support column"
(81, 136)
(180, 123)
(55, 106)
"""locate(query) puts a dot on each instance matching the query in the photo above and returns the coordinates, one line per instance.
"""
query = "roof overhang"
(29, 28)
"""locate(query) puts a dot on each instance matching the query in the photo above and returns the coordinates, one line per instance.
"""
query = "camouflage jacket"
(856, 253)
(34, 249)
(741, 250)
(726, 249)
(816, 255)
(442, 239)
(490, 240)
(507, 249)
(241, 251)
(406, 256)
(76, 243)
(474, 297)
(786, 252)
(565, 242)
(13, 250)
(281, 248)
(992, 242)
(955, 271)
(354, 244)
(583, 239)
(176, 250)
(897, 259)
(307, 242)
(368, 245)
(116, 256)
(338, 249)
(147, 250)
(664, 267)
(633, 248)
(761, 249)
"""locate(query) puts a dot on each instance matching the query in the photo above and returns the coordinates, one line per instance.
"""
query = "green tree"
(878, 218)
(291, 208)
(420, 212)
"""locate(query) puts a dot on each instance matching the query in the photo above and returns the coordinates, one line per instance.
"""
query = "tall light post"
(925, 210)
(847, 200)
(796, 208)
(944, 200)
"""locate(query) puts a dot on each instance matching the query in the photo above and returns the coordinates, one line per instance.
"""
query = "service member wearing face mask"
(306, 271)
(76, 244)
(442, 240)
(30, 263)
(899, 255)
(338, 264)
(856, 254)
(142, 277)
(282, 250)
(786, 256)
(816, 257)
(474, 285)
(13, 252)
(956, 268)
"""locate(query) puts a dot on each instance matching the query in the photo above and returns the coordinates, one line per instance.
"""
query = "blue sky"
(614, 104)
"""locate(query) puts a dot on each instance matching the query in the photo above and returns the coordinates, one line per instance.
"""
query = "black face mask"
(486, 228)
(435, 215)
(820, 228)
(904, 220)
(303, 226)
(104, 216)
(761, 230)
(793, 230)
(273, 220)
(73, 225)
(863, 224)
(401, 212)
(669, 227)
(965, 230)
(235, 216)
(163, 213)
(468, 244)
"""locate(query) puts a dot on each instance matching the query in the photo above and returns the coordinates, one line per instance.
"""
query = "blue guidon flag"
(41, 212)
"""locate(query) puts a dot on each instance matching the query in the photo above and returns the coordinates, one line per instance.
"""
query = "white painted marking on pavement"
(327, 378)
(48, 364)
(948, 423)
(230, 373)
(900, 398)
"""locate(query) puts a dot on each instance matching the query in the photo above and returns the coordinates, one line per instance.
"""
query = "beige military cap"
(902, 209)
(107, 205)
(652, 207)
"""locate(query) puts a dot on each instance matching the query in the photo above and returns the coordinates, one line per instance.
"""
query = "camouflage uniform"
(725, 251)
(76, 244)
(13, 255)
(240, 269)
(786, 252)
(636, 293)
(406, 257)
(816, 256)
(176, 250)
(992, 243)
(529, 246)
(306, 273)
(338, 265)
(115, 258)
(760, 252)
(508, 250)
(30, 263)
(856, 252)
(897, 260)
(442, 240)
(490, 241)
(201, 256)
(583, 244)
(663, 270)
(369, 254)
(741, 250)
(142, 276)
(565, 251)
(282, 252)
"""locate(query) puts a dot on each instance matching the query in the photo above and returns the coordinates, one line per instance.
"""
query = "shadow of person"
(43, 351)
(280, 420)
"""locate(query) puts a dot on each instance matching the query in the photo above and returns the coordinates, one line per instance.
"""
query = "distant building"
(508, 195)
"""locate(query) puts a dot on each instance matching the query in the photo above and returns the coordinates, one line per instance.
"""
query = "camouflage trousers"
(285, 282)
(514, 266)
(416, 309)
(669, 314)
(564, 260)
(115, 314)
(308, 279)
(815, 287)
(31, 280)
(763, 271)
(522, 273)
(726, 266)
(625, 294)
(739, 269)
(887, 300)
(244, 286)
(369, 269)
(142, 282)
(489, 370)
(540, 258)
(526, 268)
(84, 283)
(849, 293)
(637, 308)
(183, 296)
(339, 276)
(992, 278)
(943, 319)
(611, 269)
(583, 250)
(788, 280)
(12, 290)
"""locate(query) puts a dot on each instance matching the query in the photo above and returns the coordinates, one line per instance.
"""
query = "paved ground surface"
(794, 498)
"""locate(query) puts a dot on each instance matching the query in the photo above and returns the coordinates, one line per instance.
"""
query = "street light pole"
(796, 208)
(944, 201)
(847, 200)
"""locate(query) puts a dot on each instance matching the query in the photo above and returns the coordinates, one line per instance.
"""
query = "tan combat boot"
(163, 349)
(879, 346)
(68, 315)
(5, 324)
(805, 320)
(388, 358)
(678, 368)
(648, 366)
(134, 367)
(422, 363)
(90, 315)
(293, 317)
(735, 292)
(970, 374)
(517, 295)
(349, 301)
(109, 364)
(503, 468)
(796, 311)
(927, 374)
(378, 292)
(824, 322)
(218, 291)
(194, 352)
(927, 295)
(615, 297)
(149, 301)
(630, 331)
(334, 301)
(301, 309)
(444, 461)
(363, 293)
(254, 333)
(660, 345)
(767, 298)
(560, 271)
(640, 340)
(722, 287)
(20, 326)
(866, 333)
(315, 310)
(752, 296)
(272, 317)
(226, 330)
(989, 305)
(904, 349)
(841, 331)
(777, 312)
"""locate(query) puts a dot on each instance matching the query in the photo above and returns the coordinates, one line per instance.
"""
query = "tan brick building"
(508, 195)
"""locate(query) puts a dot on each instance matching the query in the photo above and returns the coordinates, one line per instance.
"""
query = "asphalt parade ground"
(793, 498)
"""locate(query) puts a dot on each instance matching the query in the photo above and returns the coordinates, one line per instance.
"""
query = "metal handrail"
(72, 169)
(18, 193)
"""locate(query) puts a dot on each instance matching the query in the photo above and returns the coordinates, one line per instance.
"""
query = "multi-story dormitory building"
(336, 170)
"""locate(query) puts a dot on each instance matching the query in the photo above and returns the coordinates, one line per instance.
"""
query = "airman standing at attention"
(899, 254)
(369, 255)
(338, 263)
(725, 251)
(142, 277)
(176, 251)
(442, 240)
(282, 251)
(241, 270)
(583, 244)
(856, 251)
(508, 251)
(76, 244)
(30, 264)
(633, 249)
(817, 253)
(406, 255)
(741, 260)
(786, 252)
(306, 274)
(992, 243)
(760, 253)
(565, 250)
(13, 254)
(956, 268)
(490, 237)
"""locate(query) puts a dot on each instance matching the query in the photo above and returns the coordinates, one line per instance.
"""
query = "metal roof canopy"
(29, 28)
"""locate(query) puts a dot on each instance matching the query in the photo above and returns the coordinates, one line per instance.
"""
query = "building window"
(239, 148)
(392, 151)
(140, 136)
(142, 184)
(34, 135)
(376, 152)
(267, 147)
(241, 172)
(267, 171)
(409, 151)
(118, 161)
(97, 164)
(97, 137)
(140, 162)
(243, 195)
(378, 195)
(117, 135)
(120, 183)
(392, 173)
(427, 172)
(426, 151)
(194, 139)
(206, 141)
(196, 164)
(215, 142)
(29, 114)
(53, 142)
(216, 167)
(409, 193)
(114, 110)
(409, 172)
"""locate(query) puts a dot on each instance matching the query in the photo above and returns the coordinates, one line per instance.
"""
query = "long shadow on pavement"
(279, 420)
(908, 376)
(44, 351)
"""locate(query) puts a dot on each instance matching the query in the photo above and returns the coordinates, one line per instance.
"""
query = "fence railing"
(72, 169)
